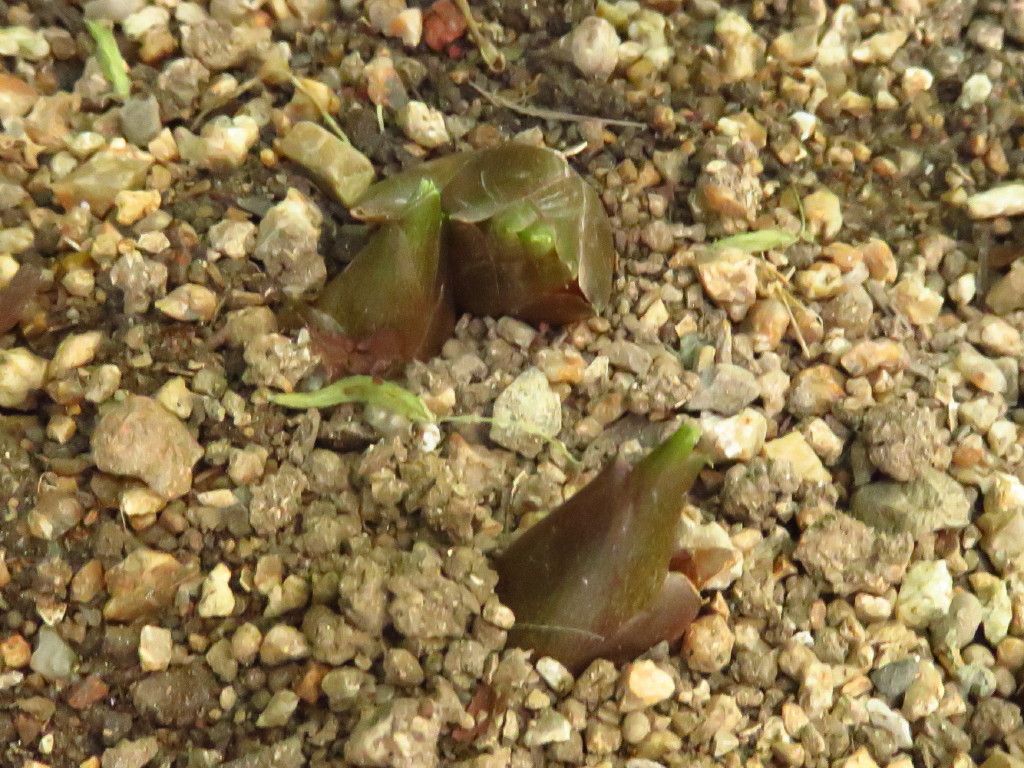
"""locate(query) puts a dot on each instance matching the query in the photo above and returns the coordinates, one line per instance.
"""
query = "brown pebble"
(84, 694)
(707, 645)
(87, 583)
(15, 652)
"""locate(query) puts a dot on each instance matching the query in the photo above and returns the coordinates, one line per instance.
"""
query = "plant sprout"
(600, 576)
(511, 230)
(393, 302)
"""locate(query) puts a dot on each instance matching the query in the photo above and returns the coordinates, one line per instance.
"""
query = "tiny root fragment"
(326, 116)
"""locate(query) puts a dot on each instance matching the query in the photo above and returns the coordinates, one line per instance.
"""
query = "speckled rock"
(930, 503)
(397, 733)
(852, 557)
(527, 413)
(139, 438)
(726, 389)
(177, 697)
(131, 754)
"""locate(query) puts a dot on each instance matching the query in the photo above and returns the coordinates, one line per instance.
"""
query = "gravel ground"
(191, 576)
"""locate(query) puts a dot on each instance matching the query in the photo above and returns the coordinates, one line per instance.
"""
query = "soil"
(192, 576)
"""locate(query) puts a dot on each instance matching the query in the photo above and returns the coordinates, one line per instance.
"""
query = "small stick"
(324, 114)
(550, 114)
(494, 58)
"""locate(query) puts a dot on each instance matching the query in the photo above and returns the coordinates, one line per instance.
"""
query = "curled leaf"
(510, 230)
(595, 578)
(109, 57)
(392, 304)
(361, 389)
(387, 199)
(528, 237)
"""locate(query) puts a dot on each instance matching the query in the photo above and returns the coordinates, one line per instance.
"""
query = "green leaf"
(392, 303)
(109, 57)
(601, 575)
(517, 188)
(361, 389)
(758, 241)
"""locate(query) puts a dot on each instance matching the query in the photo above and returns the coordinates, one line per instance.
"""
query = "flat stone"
(892, 679)
(647, 684)
(278, 710)
(131, 754)
(141, 584)
(53, 658)
(526, 414)
(286, 753)
(140, 438)
(177, 697)
(217, 599)
(1003, 200)
(283, 643)
(852, 557)
(727, 390)
(926, 593)
(932, 502)
(550, 727)
(338, 167)
(794, 449)
(155, 647)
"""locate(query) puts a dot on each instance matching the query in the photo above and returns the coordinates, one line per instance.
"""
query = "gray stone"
(177, 697)
(960, 624)
(140, 119)
(930, 503)
(629, 357)
(278, 710)
(283, 754)
(853, 557)
(892, 679)
(727, 390)
(131, 754)
(401, 732)
(53, 658)
(526, 414)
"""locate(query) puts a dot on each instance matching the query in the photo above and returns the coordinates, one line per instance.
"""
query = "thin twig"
(494, 58)
(786, 298)
(550, 114)
(324, 114)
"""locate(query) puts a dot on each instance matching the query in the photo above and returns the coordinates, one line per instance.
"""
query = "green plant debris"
(758, 241)
(326, 116)
(366, 390)
(110, 60)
